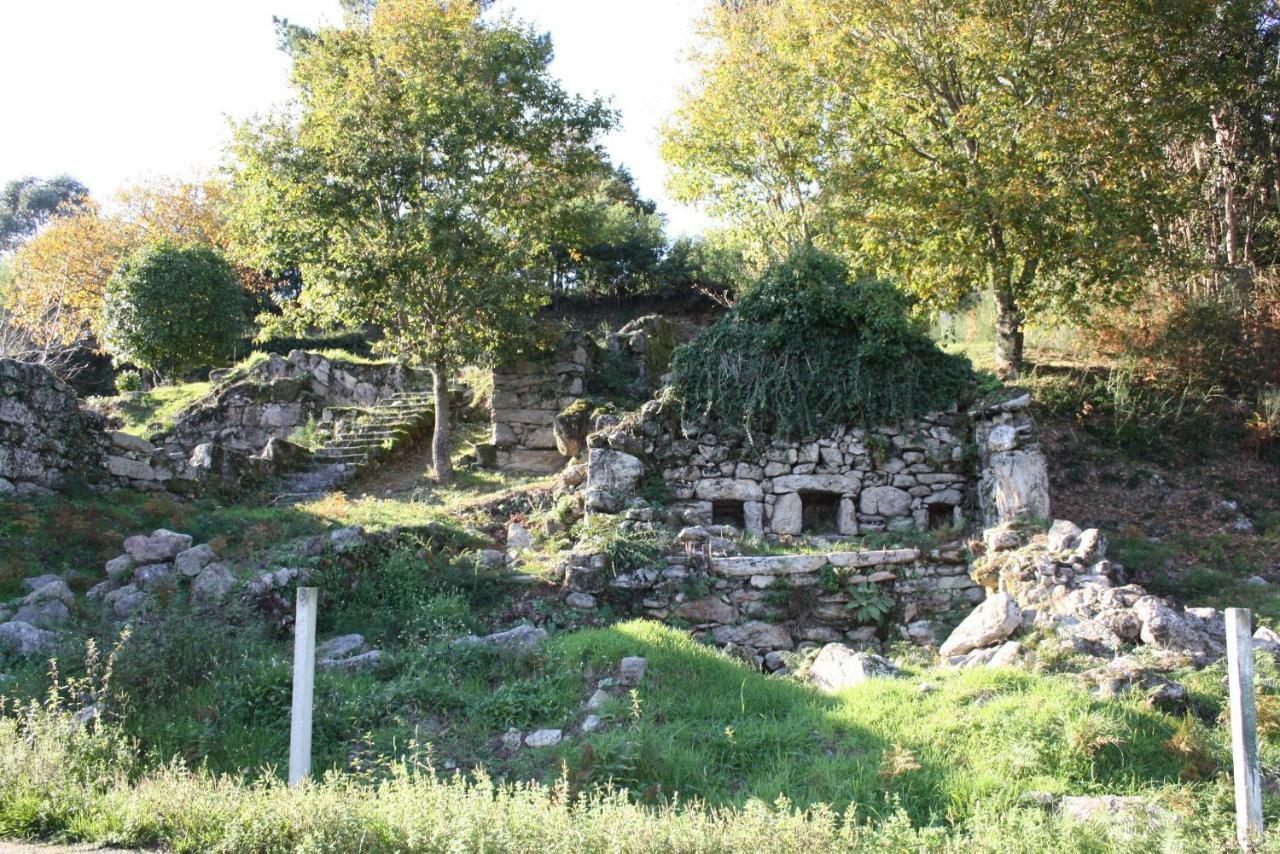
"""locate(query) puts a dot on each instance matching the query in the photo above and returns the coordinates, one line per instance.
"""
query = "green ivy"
(809, 349)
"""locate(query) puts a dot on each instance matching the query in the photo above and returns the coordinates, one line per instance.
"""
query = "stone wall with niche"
(762, 606)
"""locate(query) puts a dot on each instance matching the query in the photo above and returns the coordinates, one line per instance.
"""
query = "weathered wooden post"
(1244, 727)
(304, 675)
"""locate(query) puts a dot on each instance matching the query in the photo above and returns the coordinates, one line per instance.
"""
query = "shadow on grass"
(709, 727)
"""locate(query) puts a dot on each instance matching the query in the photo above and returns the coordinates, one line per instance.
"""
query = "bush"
(128, 381)
(173, 308)
(808, 349)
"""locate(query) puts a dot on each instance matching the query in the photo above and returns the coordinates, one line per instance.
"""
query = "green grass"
(702, 746)
(153, 412)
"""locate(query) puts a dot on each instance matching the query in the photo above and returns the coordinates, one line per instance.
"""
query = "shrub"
(808, 349)
(128, 381)
(173, 308)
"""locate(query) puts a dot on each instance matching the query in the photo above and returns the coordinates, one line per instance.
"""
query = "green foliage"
(172, 308)
(157, 410)
(955, 147)
(28, 203)
(869, 603)
(128, 381)
(808, 349)
(626, 547)
(414, 185)
(408, 593)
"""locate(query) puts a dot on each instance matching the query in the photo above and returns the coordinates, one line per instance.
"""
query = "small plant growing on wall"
(868, 603)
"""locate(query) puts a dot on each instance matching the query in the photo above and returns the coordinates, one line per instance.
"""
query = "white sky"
(113, 90)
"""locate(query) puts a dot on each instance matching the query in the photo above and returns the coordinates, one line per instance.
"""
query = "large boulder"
(520, 642)
(342, 646)
(613, 471)
(837, 667)
(991, 622)
(157, 547)
(213, 584)
(26, 639)
(194, 559)
(46, 614)
(1015, 485)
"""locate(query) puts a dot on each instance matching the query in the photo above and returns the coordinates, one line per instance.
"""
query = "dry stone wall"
(47, 441)
(527, 397)
(762, 606)
(276, 397)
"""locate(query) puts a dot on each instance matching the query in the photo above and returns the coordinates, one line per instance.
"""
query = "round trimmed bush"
(809, 348)
(173, 308)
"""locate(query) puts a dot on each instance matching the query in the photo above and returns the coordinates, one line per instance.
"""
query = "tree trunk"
(440, 436)
(1008, 355)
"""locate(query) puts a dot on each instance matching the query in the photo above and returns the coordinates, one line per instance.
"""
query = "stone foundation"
(775, 603)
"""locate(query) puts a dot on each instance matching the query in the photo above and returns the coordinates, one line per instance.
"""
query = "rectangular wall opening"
(819, 512)
(728, 513)
(941, 516)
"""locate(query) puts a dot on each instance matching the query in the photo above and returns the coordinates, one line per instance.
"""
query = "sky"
(110, 92)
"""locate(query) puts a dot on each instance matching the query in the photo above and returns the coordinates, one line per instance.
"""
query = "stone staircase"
(361, 437)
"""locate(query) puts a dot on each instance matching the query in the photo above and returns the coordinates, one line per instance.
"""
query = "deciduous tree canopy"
(414, 178)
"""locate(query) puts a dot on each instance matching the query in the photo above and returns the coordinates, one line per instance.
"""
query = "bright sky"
(113, 91)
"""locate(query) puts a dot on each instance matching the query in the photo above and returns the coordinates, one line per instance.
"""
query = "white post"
(304, 675)
(1244, 727)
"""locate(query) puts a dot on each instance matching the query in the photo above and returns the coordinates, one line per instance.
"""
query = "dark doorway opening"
(728, 513)
(941, 516)
(819, 512)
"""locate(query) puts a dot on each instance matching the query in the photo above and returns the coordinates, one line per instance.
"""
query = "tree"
(28, 203)
(747, 138)
(58, 277)
(414, 181)
(956, 145)
(608, 241)
(171, 308)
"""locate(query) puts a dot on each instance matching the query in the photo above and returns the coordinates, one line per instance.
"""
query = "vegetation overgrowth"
(809, 348)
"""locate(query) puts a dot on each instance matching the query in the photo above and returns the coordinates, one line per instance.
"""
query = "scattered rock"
(118, 568)
(194, 559)
(48, 614)
(755, 634)
(53, 589)
(837, 667)
(345, 539)
(597, 701)
(592, 723)
(26, 639)
(370, 660)
(160, 545)
(213, 584)
(994, 620)
(631, 671)
(519, 642)
(1005, 655)
(341, 647)
(544, 738)
(518, 536)
(512, 739)
(580, 601)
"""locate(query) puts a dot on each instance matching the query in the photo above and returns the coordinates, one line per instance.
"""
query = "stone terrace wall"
(276, 397)
(765, 605)
(917, 475)
(46, 440)
(527, 397)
